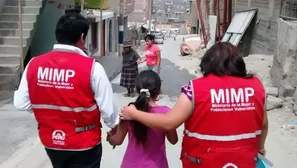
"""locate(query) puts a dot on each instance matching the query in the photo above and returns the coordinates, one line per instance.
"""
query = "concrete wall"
(284, 68)
(265, 28)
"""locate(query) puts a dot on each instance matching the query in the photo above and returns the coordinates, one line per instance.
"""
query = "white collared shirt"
(100, 85)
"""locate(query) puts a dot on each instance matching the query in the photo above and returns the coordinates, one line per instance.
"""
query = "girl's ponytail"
(148, 85)
(141, 103)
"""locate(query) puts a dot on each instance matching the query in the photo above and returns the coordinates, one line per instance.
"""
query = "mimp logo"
(230, 165)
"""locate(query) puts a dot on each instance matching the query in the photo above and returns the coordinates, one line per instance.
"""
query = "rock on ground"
(273, 91)
(274, 102)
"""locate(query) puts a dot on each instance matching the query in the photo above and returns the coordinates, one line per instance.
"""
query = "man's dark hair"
(75, 10)
(70, 27)
(223, 59)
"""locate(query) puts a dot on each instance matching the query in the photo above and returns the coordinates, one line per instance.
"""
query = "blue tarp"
(263, 162)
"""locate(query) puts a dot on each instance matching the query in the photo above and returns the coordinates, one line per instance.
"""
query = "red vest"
(227, 120)
(63, 101)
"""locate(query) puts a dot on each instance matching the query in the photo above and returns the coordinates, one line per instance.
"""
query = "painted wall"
(44, 38)
(2, 3)
(264, 33)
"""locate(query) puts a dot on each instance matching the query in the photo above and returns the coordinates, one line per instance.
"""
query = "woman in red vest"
(223, 113)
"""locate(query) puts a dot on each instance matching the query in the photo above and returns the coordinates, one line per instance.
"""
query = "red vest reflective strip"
(223, 138)
(64, 108)
(63, 101)
(228, 114)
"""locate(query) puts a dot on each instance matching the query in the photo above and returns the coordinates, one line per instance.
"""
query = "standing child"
(146, 146)
(130, 68)
(152, 54)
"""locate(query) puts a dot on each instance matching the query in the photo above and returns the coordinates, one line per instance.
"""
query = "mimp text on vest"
(55, 78)
(232, 99)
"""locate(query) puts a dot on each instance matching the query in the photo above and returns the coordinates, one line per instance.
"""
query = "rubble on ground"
(274, 102)
(272, 91)
(199, 54)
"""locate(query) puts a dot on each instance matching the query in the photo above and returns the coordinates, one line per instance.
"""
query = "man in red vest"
(68, 93)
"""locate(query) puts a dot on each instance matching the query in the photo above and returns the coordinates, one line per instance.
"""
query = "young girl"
(152, 54)
(146, 146)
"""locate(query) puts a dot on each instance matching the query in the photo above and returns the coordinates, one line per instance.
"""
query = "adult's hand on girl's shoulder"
(127, 112)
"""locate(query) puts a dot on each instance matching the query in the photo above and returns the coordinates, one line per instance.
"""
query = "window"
(289, 9)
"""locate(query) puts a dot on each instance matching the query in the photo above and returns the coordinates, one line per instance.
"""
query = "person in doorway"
(146, 147)
(130, 68)
(224, 113)
(68, 93)
(152, 54)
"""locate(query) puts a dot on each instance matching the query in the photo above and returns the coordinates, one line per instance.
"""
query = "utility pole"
(150, 8)
(121, 27)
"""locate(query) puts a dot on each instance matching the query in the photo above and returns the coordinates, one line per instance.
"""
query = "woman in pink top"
(146, 146)
(152, 54)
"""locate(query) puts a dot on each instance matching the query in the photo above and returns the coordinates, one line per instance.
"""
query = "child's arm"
(119, 136)
(138, 58)
(172, 136)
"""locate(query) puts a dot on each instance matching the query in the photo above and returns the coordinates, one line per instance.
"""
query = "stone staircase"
(10, 41)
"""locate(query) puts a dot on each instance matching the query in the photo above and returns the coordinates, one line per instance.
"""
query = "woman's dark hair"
(223, 59)
(151, 81)
(149, 37)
